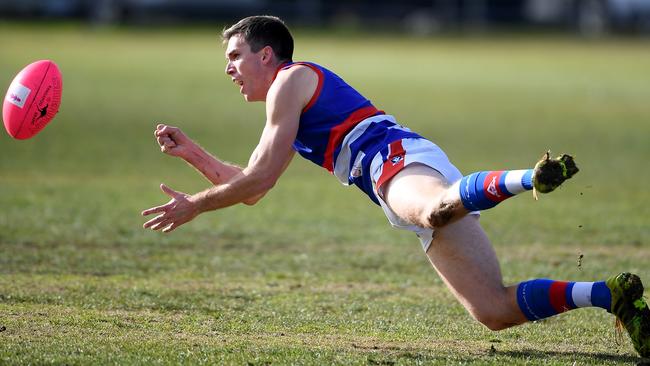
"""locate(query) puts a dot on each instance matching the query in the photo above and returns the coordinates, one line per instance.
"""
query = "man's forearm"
(211, 168)
(246, 188)
(215, 170)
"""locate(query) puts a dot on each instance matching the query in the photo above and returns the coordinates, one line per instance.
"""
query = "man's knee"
(493, 320)
(497, 316)
(496, 311)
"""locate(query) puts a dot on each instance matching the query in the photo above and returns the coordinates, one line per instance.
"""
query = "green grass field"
(313, 274)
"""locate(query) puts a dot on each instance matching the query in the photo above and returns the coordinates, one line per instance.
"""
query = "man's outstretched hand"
(179, 210)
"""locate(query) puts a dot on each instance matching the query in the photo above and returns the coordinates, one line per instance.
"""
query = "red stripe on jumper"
(319, 87)
(280, 68)
(393, 164)
(557, 295)
(491, 187)
(339, 131)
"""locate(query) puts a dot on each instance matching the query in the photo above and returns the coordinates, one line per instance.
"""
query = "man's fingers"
(168, 215)
(156, 220)
(154, 227)
(157, 209)
(159, 130)
(164, 139)
(166, 143)
(170, 227)
(160, 225)
(165, 130)
(164, 135)
(170, 192)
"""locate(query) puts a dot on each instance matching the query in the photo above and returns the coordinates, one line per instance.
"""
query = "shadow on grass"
(524, 355)
(527, 354)
(413, 354)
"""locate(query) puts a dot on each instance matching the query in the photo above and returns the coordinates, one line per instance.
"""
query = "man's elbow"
(252, 201)
(267, 182)
(264, 186)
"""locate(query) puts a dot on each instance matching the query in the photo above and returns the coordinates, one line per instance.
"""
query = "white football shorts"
(401, 154)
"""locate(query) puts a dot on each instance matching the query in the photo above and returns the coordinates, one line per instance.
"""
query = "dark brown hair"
(260, 31)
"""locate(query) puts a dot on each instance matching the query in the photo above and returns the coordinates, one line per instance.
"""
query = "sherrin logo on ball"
(17, 94)
(33, 99)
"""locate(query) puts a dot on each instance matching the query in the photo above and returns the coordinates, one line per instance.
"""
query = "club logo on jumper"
(396, 159)
(492, 188)
(18, 94)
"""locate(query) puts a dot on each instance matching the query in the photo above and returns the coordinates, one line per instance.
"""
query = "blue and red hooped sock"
(483, 190)
(542, 298)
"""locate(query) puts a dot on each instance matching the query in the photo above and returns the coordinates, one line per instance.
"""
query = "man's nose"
(229, 69)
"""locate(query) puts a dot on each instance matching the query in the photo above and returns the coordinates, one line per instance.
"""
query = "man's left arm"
(285, 100)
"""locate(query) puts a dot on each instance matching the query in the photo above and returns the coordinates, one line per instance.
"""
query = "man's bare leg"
(421, 196)
(428, 201)
(464, 258)
(460, 252)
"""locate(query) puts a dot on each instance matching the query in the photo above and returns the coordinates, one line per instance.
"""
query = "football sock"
(541, 298)
(483, 190)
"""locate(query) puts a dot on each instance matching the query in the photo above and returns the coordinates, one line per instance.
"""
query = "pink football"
(33, 99)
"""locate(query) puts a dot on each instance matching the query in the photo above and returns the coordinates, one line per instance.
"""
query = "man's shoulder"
(301, 68)
(295, 84)
(299, 73)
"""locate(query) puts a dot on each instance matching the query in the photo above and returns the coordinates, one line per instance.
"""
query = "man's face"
(246, 70)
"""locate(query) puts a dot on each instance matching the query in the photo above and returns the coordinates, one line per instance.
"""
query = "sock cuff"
(484, 190)
(524, 295)
(542, 298)
(472, 192)
(601, 296)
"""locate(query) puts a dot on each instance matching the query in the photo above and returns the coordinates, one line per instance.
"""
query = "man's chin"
(249, 98)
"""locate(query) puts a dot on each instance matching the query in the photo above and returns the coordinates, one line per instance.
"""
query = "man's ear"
(267, 54)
